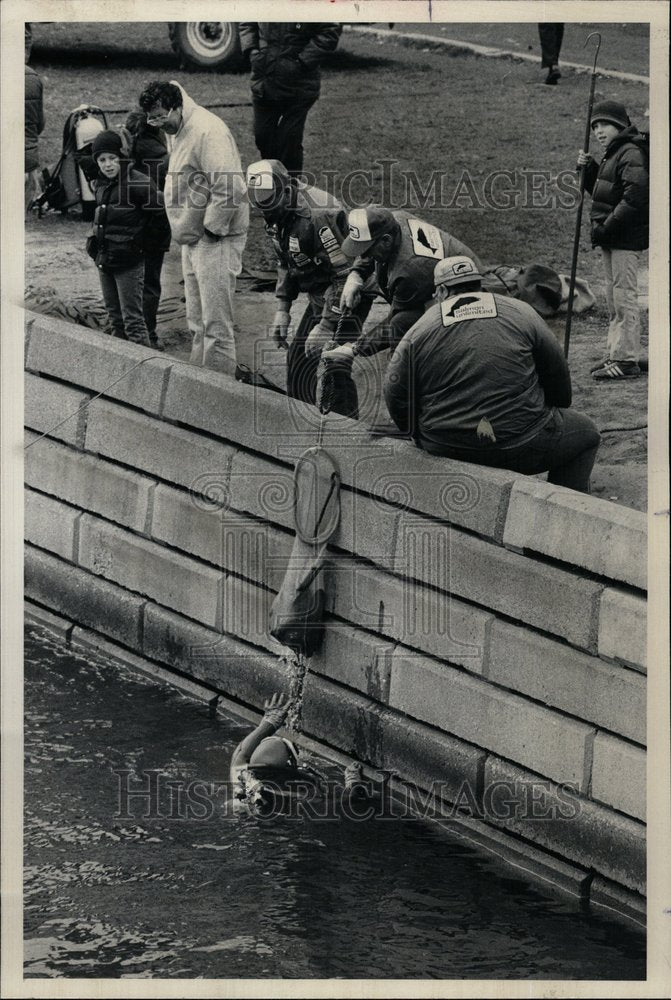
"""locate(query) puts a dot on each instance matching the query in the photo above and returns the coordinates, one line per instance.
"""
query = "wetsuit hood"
(273, 751)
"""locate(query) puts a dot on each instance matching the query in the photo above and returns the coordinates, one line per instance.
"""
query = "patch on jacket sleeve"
(299, 258)
(426, 239)
(485, 431)
(470, 305)
(329, 242)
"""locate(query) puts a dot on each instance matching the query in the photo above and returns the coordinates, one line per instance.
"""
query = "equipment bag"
(66, 184)
(297, 613)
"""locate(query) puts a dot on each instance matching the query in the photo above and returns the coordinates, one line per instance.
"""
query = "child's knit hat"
(610, 111)
(106, 142)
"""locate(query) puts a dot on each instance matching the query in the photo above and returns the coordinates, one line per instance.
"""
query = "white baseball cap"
(264, 179)
(366, 225)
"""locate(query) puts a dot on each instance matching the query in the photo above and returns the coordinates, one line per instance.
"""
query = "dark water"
(231, 896)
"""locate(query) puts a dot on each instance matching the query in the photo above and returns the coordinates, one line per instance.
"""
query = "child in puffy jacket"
(619, 188)
(126, 200)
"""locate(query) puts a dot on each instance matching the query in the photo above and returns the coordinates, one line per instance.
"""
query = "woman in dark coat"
(149, 154)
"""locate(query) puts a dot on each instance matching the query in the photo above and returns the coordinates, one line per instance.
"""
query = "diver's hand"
(353, 774)
(275, 710)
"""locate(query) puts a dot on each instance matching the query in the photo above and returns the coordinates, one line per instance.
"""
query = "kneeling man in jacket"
(481, 378)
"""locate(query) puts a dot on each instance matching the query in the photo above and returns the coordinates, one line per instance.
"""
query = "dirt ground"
(426, 111)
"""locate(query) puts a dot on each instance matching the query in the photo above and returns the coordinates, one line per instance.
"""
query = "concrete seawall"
(486, 631)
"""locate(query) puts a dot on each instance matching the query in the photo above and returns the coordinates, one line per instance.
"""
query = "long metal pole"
(581, 189)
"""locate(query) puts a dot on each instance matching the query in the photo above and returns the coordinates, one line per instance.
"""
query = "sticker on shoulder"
(426, 239)
(468, 305)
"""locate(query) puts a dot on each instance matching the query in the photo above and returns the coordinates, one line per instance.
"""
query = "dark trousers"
(551, 36)
(151, 295)
(565, 448)
(278, 129)
(122, 295)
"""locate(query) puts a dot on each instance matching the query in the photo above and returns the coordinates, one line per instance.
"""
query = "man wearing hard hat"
(481, 378)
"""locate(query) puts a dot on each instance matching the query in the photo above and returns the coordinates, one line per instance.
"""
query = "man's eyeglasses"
(370, 249)
(158, 119)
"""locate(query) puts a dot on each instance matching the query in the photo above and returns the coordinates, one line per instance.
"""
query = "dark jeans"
(122, 294)
(565, 448)
(151, 294)
(551, 36)
(278, 129)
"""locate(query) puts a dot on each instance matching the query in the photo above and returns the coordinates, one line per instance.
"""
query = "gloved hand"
(275, 710)
(318, 336)
(598, 235)
(280, 327)
(351, 293)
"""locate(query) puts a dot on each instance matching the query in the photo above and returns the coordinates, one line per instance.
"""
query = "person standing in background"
(34, 125)
(125, 201)
(285, 82)
(149, 154)
(206, 202)
(620, 190)
(551, 36)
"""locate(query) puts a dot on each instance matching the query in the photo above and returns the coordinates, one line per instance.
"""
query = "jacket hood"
(188, 103)
(629, 134)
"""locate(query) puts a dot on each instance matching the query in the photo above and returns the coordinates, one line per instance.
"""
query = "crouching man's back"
(481, 378)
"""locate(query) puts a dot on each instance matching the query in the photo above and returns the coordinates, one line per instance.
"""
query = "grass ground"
(428, 112)
(624, 47)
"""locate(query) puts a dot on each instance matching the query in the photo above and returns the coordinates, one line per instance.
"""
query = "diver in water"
(264, 767)
(268, 774)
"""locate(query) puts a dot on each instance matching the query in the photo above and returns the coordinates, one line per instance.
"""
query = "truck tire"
(213, 45)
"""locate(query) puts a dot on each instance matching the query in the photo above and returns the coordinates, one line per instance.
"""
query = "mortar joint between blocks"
(164, 389)
(75, 537)
(486, 652)
(589, 763)
(140, 626)
(149, 513)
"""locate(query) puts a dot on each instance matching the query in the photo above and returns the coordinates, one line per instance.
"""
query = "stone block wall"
(486, 632)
